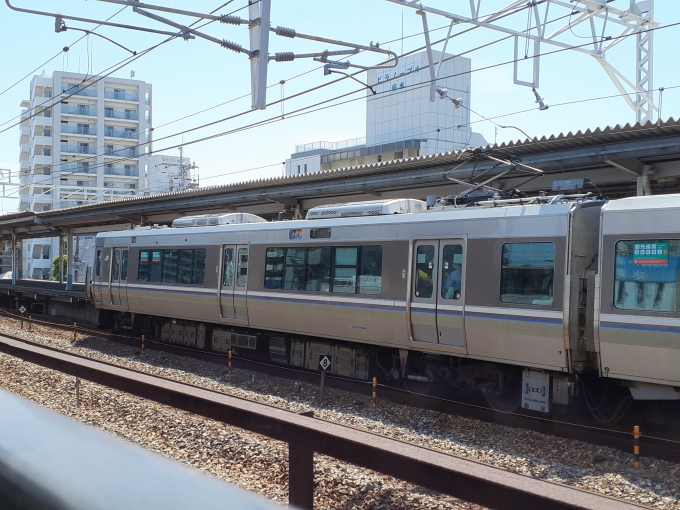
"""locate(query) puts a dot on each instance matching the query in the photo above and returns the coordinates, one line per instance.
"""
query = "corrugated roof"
(544, 145)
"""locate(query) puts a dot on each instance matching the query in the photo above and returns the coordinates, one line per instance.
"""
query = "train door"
(437, 299)
(226, 292)
(424, 292)
(451, 296)
(118, 281)
(97, 276)
(241, 283)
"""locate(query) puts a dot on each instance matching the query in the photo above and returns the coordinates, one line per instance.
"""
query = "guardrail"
(465, 479)
(49, 461)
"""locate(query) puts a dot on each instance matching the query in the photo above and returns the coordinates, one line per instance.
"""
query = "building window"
(379, 158)
(47, 132)
(305, 167)
(298, 169)
(527, 273)
(47, 151)
(47, 170)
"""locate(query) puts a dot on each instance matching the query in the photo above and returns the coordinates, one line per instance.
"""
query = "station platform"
(38, 289)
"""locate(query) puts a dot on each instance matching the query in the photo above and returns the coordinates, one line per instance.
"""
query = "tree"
(56, 269)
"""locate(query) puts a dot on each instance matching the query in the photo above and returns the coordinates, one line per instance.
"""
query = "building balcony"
(68, 109)
(25, 150)
(42, 141)
(121, 153)
(121, 95)
(117, 114)
(40, 159)
(78, 168)
(79, 130)
(121, 170)
(77, 149)
(80, 91)
(121, 133)
(24, 165)
(40, 120)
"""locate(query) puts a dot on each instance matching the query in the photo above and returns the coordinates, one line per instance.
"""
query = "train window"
(186, 266)
(424, 270)
(124, 265)
(318, 269)
(273, 270)
(647, 275)
(527, 273)
(228, 268)
(156, 270)
(143, 268)
(345, 270)
(452, 271)
(294, 274)
(198, 276)
(324, 269)
(170, 265)
(115, 269)
(370, 270)
(242, 269)
(98, 263)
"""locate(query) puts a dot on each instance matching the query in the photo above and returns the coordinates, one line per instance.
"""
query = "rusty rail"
(468, 480)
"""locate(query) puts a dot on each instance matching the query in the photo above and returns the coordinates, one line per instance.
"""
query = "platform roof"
(613, 158)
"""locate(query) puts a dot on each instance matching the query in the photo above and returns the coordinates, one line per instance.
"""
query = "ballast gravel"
(259, 464)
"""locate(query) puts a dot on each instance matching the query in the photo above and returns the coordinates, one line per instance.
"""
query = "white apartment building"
(80, 143)
(401, 119)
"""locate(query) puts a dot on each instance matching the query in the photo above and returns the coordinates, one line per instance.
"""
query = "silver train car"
(525, 300)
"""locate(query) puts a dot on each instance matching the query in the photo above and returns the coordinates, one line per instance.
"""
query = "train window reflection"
(124, 265)
(98, 263)
(647, 275)
(242, 270)
(294, 276)
(228, 268)
(527, 273)
(115, 269)
(424, 270)
(349, 270)
(370, 270)
(452, 271)
(169, 266)
(318, 269)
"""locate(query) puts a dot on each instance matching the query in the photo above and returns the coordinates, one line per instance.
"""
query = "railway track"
(662, 445)
(306, 435)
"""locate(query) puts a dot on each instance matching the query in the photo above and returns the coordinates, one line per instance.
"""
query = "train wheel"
(506, 397)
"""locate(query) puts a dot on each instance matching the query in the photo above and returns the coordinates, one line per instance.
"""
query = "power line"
(66, 48)
(329, 100)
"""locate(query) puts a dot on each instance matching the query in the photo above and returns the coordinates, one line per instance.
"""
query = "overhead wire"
(298, 112)
(291, 114)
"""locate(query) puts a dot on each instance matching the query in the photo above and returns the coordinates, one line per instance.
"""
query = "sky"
(191, 76)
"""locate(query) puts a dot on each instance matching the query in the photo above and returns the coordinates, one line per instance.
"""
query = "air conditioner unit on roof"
(369, 208)
(211, 220)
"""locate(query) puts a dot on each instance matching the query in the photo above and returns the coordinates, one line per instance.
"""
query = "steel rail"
(651, 446)
(465, 479)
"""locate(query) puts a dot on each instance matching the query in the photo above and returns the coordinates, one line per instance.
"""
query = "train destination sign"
(650, 253)
(325, 362)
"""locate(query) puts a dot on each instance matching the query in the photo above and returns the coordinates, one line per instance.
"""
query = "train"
(534, 302)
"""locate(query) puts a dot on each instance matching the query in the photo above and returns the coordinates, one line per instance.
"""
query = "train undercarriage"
(503, 387)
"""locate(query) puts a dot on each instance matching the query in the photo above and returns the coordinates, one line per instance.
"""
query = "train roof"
(535, 211)
(646, 203)
(654, 214)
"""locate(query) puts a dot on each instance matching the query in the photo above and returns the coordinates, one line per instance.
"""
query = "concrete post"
(69, 260)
